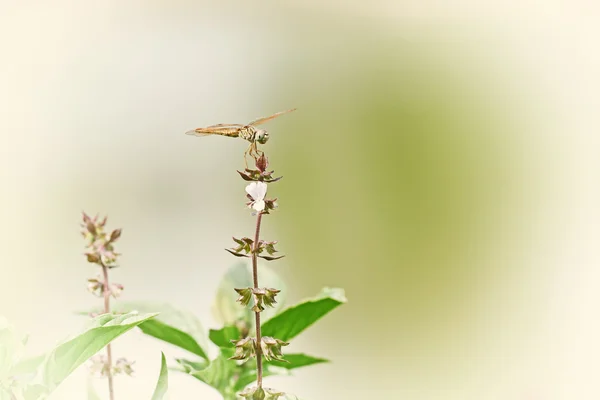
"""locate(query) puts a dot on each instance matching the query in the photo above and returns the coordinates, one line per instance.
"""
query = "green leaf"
(12, 345)
(27, 366)
(188, 366)
(277, 368)
(223, 337)
(178, 327)
(169, 334)
(297, 361)
(163, 380)
(100, 331)
(219, 373)
(248, 375)
(35, 392)
(225, 308)
(293, 320)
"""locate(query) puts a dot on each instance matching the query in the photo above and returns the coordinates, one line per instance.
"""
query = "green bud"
(244, 348)
(245, 296)
(271, 348)
(258, 393)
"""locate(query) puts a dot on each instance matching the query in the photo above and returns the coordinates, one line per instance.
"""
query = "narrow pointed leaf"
(298, 360)
(100, 331)
(293, 320)
(269, 258)
(248, 376)
(176, 326)
(237, 254)
(174, 336)
(163, 380)
(188, 366)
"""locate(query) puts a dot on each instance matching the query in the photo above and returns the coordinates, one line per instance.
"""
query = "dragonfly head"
(262, 136)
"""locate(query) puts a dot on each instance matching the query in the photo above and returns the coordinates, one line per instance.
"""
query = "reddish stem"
(259, 371)
(106, 293)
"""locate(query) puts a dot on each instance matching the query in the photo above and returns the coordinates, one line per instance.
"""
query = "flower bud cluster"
(245, 248)
(260, 174)
(244, 348)
(99, 366)
(100, 249)
(257, 188)
(259, 296)
(96, 287)
(266, 346)
(270, 348)
(261, 393)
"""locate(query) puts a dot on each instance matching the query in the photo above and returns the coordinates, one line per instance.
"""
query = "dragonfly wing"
(267, 119)
(226, 126)
(220, 129)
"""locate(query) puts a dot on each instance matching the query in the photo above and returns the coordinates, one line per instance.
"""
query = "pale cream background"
(95, 97)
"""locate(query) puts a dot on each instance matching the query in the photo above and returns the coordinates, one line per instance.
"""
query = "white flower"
(257, 190)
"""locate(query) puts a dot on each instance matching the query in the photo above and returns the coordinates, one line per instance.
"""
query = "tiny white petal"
(259, 205)
(257, 190)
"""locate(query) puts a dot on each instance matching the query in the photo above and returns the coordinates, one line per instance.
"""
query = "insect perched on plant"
(247, 132)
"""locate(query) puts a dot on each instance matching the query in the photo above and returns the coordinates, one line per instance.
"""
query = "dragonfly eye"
(262, 136)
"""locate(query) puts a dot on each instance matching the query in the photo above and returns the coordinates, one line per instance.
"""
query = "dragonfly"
(248, 132)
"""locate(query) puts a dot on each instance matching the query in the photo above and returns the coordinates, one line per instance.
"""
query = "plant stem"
(257, 314)
(106, 293)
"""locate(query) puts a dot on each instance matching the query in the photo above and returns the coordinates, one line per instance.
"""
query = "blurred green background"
(442, 167)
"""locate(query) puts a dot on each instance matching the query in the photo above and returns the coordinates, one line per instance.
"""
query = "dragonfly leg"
(248, 150)
(259, 153)
(253, 151)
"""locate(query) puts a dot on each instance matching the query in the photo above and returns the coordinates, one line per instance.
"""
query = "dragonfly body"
(248, 132)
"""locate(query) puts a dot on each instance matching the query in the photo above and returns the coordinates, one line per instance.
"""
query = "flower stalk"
(259, 347)
(106, 293)
(257, 312)
(100, 251)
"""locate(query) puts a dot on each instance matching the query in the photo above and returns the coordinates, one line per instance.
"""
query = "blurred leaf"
(28, 366)
(163, 380)
(12, 345)
(35, 392)
(295, 319)
(100, 331)
(91, 392)
(223, 337)
(277, 368)
(225, 308)
(175, 326)
(248, 375)
(219, 373)
(16, 376)
(188, 366)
